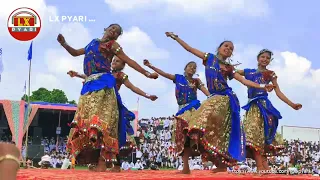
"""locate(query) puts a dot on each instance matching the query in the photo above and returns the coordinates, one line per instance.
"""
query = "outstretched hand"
(153, 76)
(153, 97)
(171, 35)
(72, 73)
(269, 87)
(146, 63)
(61, 39)
(297, 106)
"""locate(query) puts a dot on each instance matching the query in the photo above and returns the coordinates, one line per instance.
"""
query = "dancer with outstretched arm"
(125, 116)
(262, 118)
(186, 95)
(215, 127)
(95, 125)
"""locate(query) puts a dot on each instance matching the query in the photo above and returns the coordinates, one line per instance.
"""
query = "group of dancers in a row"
(212, 129)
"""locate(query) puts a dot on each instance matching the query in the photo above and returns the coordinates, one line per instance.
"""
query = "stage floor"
(54, 174)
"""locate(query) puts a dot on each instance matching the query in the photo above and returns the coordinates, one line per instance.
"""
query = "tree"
(73, 102)
(44, 95)
(58, 96)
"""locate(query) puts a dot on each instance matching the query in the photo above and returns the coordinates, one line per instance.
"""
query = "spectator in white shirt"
(138, 154)
(45, 161)
(125, 165)
(138, 165)
(66, 163)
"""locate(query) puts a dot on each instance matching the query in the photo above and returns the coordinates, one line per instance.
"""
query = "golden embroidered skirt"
(208, 128)
(255, 138)
(94, 131)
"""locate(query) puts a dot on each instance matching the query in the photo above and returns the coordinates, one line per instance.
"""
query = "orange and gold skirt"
(94, 131)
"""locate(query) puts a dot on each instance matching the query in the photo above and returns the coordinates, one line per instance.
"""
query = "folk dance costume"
(261, 119)
(126, 141)
(94, 129)
(218, 141)
(186, 95)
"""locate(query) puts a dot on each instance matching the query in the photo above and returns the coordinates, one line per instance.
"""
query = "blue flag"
(25, 87)
(30, 52)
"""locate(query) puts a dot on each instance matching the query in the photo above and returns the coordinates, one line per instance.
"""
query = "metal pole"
(136, 121)
(28, 115)
(57, 144)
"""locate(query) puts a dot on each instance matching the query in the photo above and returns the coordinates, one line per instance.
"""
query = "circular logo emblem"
(24, 24)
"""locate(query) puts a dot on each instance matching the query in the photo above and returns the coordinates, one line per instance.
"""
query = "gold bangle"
(9, 157)
(118, 50)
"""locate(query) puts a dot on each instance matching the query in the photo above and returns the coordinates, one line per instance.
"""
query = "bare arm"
(162, 73)
(73, 52)
(246, 82)
(82, 76)
(241, 72)
(76, 74)
(120, 54)
(205, 90)
(187, 47)
(280, 94)
(135, 89)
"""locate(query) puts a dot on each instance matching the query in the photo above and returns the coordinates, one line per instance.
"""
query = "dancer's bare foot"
(116, 169)
(98, 169)
(186, 171)
(186, 154)
(265, 164)
(101, 167)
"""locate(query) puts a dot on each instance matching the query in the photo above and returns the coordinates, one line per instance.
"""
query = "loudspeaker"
(35, 151)
(37, 135)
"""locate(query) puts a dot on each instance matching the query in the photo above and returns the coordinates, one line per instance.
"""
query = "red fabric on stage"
(53, 174)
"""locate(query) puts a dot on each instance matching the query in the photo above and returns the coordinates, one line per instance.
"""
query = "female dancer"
(95, 125)
(126, 116)
(215, 126)
(186, 95)
(261, 119)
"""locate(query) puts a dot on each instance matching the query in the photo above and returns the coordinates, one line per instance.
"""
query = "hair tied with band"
(266, 51)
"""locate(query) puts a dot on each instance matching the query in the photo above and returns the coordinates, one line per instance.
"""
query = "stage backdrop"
(19, 119)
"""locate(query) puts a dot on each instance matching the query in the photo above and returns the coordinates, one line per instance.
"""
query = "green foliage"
(73, 102)
(44, 95)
